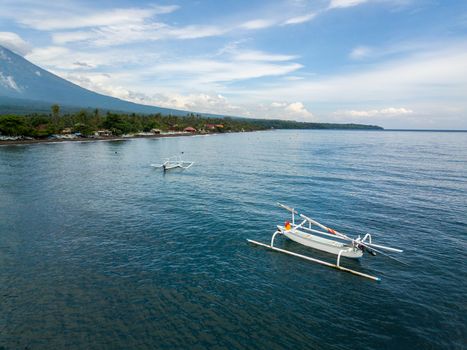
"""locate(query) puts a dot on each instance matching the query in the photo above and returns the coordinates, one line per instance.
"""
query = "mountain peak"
(21, 79)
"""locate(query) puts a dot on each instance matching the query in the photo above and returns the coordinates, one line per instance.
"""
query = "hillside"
(25, 85)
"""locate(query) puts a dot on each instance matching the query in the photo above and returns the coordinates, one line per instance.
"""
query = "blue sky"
(395, 63)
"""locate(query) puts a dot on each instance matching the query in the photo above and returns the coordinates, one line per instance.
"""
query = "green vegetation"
(289, 124)
(14, 125)
(86, 122)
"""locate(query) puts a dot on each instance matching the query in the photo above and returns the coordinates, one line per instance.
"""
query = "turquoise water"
(100, 251)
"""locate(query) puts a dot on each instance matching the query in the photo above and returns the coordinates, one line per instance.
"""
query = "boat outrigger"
(173, 163)
(327, 240)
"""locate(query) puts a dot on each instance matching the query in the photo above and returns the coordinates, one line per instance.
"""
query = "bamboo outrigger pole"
(370, 245)
(316, 260)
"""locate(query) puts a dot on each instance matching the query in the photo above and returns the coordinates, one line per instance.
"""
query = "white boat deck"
(173, 163)
(324, 244)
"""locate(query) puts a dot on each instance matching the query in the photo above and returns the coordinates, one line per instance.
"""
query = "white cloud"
(218, 104)
(69, 37)
(360, 52)
(291, 111)
(301, 19)
(194, 32)
(104, 27)
(385, 112)
(257, 24)
(136, 32)
(345, 3)
(208, 71)
(432, 75)
(278, 104)
(9, 82)
(427, 87)
(14, 42)
(233, 65)
(99, 82)
(159, 81)
(202, 102)
(64, 59)
(298, 109)
(185, 74)
(50, 56)
(66, 19)
(197, 102)
(414, 87)
(72, 22)
(261, 56)
(404, 47)
(293, 78)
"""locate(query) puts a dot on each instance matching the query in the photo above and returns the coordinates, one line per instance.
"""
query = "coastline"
(177, 134)
(94, 139)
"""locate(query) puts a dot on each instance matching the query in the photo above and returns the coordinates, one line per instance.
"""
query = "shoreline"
(156, 136)
(93, 139)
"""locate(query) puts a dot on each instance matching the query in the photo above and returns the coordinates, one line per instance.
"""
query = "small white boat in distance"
(173, 163)
(326, 240)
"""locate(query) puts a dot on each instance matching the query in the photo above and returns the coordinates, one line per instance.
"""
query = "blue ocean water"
(100, 251)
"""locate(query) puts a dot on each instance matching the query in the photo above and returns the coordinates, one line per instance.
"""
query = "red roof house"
(189, 129)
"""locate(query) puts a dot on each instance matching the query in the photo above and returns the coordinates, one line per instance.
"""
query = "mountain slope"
(22, 80)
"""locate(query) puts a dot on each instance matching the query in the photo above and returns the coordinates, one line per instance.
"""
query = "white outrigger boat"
(327, 240)
(173, 163)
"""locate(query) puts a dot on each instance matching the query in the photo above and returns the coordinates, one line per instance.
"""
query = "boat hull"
(323, 244)
(168, 165)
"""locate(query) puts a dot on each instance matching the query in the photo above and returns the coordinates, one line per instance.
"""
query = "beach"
(92, 139)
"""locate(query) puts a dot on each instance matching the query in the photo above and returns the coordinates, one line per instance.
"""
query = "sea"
(99, 250)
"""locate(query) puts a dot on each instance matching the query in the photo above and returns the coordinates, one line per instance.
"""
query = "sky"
(393, 63)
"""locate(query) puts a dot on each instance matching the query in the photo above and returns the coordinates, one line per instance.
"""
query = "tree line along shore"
(94, 123)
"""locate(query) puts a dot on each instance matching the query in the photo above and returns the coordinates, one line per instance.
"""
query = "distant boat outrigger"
(328, 240)
(173, 163)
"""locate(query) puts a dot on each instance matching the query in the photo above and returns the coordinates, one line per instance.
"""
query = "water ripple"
(100, 251)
